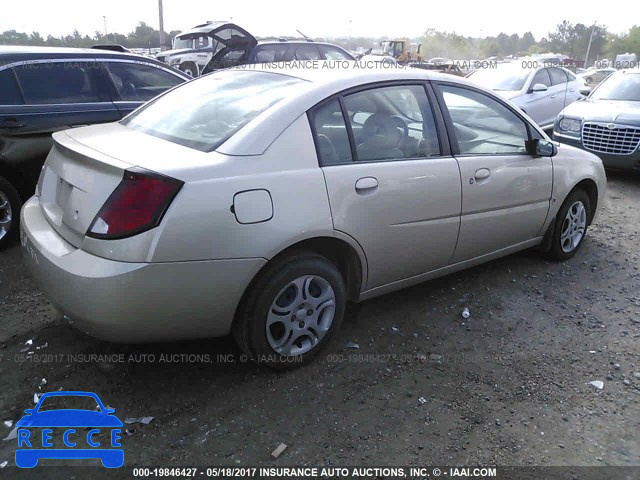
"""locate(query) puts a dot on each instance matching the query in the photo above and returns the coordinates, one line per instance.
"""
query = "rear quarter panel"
(201, 225)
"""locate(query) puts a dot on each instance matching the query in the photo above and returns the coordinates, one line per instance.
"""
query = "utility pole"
(161, 14)
(586, 57)
(106, 33)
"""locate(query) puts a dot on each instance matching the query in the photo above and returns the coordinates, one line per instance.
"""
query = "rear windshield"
(204, 113)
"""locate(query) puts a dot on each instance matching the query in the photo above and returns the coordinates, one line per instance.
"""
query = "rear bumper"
(621, 162)
(133, 302)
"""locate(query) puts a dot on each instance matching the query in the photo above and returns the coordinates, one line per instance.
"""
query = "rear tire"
(570, 226)
(291, 311)
(10, 205)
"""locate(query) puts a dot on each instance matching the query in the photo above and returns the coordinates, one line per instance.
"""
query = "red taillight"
(135, 206)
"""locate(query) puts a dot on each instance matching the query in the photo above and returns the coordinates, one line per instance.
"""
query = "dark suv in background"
(43, 90)
(277, 50)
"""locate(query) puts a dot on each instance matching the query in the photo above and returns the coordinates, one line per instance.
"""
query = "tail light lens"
(136, 205)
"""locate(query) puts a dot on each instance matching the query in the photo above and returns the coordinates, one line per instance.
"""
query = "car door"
(563, 87)
(390, 185)
(56, 94)
(506, 192)
(538, 104)
(136, 83)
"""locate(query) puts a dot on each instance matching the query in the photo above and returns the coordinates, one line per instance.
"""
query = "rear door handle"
(366, 185)
(553, 96)
(482, 174)
(11, 123)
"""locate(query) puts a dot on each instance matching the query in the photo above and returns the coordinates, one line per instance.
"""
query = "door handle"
(482, 174)
(12, 123)
(553, 96)
(366, 185)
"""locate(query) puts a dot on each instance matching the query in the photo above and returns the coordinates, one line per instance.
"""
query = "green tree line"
(568, 39)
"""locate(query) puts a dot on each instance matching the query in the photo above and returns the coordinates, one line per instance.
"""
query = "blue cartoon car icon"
(82, 432)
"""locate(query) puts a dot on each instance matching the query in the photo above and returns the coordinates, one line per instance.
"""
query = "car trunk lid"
(75, 183)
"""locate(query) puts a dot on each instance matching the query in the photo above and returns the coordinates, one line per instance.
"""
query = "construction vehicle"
(402, 50)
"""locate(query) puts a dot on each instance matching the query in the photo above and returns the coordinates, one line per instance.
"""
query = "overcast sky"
(314, 18)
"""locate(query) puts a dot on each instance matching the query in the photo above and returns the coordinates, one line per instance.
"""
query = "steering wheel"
(402, 124)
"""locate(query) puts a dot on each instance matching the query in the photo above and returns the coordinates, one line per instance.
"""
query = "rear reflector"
(136, 205)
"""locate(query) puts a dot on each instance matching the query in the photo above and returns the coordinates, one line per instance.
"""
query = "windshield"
(184, 42)
(619, 86)
(205, 113)
(510, 78)
(67, 402)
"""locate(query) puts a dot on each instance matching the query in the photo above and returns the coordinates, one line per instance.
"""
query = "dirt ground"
(510, 386)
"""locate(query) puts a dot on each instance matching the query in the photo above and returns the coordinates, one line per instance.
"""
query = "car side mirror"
(541, 148)
(586, 91)
(30, 411)
(538, 87)
(108, 411)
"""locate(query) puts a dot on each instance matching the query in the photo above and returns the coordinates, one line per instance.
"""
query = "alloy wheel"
(573, 227)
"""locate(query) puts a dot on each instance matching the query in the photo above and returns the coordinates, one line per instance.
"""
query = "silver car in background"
(259, 202)
(540, 91)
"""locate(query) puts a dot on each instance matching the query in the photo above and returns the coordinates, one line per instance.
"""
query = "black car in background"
(43, 90)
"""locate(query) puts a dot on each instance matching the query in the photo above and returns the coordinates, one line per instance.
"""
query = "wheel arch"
(345, 253)
(590, 187)
(16, 178)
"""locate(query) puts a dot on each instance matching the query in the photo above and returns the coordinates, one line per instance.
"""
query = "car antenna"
(303, 34)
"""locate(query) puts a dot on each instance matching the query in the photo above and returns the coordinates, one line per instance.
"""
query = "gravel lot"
(509, 386)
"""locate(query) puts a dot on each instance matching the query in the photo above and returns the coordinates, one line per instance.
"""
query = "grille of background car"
(602, 139)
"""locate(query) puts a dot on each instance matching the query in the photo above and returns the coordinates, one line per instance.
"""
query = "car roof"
(321, 79)
(16, 52)
(345, 73)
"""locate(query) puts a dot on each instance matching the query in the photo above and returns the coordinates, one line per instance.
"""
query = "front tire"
(291, 311)
(571, 226)
(10, 205)
(190, 69)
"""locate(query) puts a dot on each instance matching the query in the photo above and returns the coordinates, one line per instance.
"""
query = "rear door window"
(269, 53)
(306, 52)
(59, 83)
(9, 91)
(330, 134)
(141, 82)
(392, 123)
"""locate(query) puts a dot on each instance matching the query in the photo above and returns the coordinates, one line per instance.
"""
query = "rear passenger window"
(58, 83)
(9, 91)
(331, 137)
(306, 52)
(392, 123)
(270, 53)
(139, 83)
